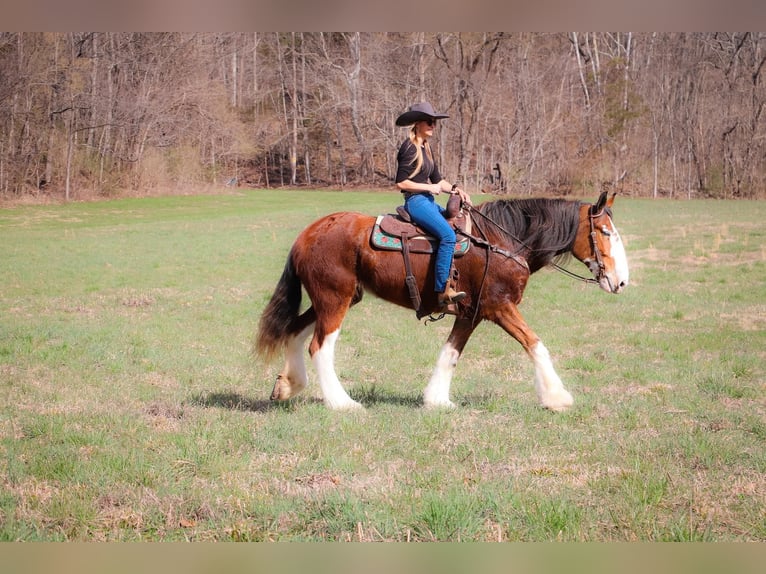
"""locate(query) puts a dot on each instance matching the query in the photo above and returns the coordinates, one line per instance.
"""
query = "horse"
(333, 260)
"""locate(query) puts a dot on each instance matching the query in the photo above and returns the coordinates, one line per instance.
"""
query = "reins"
(573, 275)
(491, 246)
(523, 263)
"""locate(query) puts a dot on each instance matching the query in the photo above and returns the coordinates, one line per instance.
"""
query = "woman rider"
(418, 177)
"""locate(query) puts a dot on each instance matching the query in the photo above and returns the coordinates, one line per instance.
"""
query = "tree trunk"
(294, 110)
(581, 69)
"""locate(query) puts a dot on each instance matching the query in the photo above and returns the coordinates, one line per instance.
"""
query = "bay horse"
(334, 261)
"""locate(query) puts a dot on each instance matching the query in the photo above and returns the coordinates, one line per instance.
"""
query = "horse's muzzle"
(611, 284)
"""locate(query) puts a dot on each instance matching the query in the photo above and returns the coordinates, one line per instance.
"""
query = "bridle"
(600, 272)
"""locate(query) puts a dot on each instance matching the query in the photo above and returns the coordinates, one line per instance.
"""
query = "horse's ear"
(610, 201)
(601, 202)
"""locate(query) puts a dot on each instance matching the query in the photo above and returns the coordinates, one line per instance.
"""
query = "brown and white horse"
(334, 261)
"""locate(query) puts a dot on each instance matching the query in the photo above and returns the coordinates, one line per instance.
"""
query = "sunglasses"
(430, 121)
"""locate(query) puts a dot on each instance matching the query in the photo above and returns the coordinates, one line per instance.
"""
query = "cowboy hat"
(417, 112)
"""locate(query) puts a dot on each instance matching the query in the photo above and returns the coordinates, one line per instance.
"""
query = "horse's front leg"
(548, 386)
(436, 394)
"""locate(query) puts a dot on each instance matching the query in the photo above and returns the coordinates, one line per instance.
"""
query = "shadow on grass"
(371, 396)
(238, 402)
(232, 401)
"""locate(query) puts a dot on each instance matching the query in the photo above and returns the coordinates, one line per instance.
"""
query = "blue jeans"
(430, 216)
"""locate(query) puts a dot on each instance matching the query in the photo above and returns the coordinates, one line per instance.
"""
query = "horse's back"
(333, 240)
(340, 228)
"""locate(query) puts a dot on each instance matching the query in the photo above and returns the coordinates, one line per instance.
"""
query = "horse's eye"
(605, 231)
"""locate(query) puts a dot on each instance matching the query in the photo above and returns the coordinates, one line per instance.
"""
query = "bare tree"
(349, 66)
(469, 59)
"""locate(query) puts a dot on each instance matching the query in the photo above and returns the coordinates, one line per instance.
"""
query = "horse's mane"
(541, 229)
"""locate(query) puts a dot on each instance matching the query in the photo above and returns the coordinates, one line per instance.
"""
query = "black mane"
(539, 229)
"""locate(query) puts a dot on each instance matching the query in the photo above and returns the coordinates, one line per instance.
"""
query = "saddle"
(397, 232)
(392, 230)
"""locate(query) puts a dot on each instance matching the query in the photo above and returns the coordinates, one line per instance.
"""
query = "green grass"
(133, 410)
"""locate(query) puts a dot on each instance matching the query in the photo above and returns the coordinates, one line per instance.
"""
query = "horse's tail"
(279, 318)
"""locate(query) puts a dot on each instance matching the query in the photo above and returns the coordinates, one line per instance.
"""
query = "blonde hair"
(418, 159)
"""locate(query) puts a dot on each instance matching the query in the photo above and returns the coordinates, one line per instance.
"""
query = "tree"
(469, 60)
(349, 67)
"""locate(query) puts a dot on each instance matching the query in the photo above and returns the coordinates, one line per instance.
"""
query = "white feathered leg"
(335, 396)
(293, 377)
(548, 386)
(436, 394)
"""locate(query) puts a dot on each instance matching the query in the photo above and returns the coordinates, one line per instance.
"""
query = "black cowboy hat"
(417, 112)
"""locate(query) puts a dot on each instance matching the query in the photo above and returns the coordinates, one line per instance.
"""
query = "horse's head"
(599, 246)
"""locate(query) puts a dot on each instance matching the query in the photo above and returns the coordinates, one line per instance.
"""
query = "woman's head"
(422, 111)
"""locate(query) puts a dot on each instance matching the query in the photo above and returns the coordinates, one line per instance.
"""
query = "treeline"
(103, 113)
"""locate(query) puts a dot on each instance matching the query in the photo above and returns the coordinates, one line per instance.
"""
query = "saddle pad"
(418, 243)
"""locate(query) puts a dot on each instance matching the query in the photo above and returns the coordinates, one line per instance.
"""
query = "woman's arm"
(414, 187)
(434, 189)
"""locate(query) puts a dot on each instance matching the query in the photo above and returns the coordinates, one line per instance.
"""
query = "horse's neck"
(537, 249)
(537, 259)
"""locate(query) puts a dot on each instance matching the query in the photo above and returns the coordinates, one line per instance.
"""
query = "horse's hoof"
(447, 405)
(558, 409)
(347, 406)
(285, 389)
(560, 403)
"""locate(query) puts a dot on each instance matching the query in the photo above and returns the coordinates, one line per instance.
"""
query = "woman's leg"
(427, 214)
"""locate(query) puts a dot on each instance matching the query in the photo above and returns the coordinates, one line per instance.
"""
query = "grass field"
(131, 408)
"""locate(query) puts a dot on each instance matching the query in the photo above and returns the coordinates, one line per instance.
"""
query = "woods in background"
(655, 114)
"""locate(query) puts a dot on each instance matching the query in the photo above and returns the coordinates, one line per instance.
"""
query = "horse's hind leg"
(331, 308)
(293, 377)
(323, 356)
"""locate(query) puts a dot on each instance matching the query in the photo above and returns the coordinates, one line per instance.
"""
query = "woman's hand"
(435, 188)
(464, 197)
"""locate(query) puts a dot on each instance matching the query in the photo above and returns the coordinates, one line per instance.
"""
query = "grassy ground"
(131, 409)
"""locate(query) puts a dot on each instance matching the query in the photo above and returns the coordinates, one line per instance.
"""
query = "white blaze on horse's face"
(615, 276)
